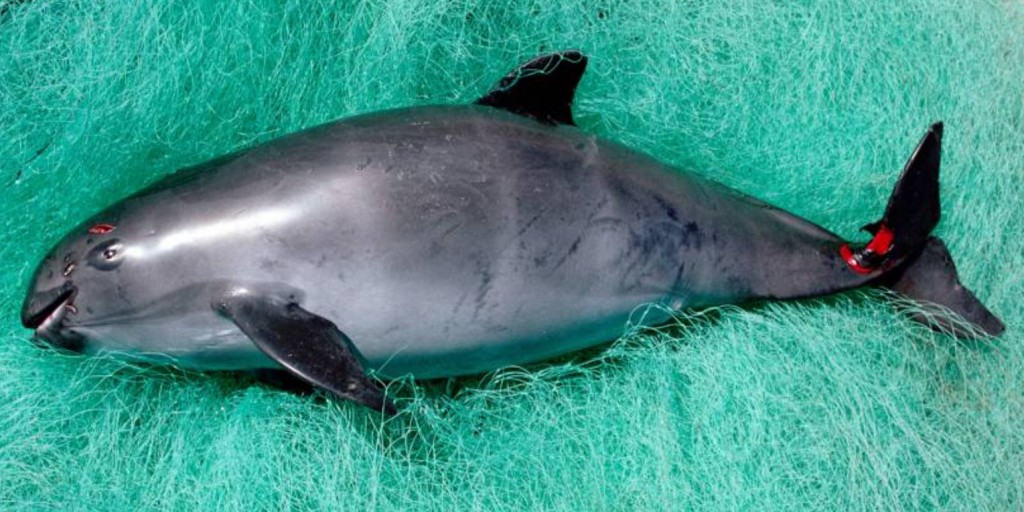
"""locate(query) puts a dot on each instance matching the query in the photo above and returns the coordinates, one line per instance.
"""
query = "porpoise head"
(78, 283)
(138, 280)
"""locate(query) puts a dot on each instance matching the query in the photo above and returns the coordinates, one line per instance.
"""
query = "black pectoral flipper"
(307, 346)
(542, 88)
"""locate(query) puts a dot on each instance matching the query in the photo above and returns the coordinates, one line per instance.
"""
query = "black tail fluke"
(931, 278)
(912, 262)
(913, 209)
(912, 212)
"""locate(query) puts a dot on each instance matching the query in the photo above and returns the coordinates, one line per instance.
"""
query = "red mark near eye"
(101, 229)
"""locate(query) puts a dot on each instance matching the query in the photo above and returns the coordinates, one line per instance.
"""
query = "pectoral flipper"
(306, 345)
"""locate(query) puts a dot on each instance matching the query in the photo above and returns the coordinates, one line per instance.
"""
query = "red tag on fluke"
(882, 242)
(101, 229)
(880, 245)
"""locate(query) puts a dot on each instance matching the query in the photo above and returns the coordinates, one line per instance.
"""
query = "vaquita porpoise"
(451, 240)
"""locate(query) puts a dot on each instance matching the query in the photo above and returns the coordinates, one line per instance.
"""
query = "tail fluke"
(931, 278)
(912, 212)
(913, 209)
(908, 259)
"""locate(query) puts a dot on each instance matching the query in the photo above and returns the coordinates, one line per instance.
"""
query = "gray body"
(442, 240)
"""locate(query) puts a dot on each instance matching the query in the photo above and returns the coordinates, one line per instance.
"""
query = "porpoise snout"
(41, 304)
(44, 311)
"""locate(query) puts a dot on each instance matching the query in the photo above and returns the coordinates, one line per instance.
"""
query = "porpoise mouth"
(53, 300)
(47, 320)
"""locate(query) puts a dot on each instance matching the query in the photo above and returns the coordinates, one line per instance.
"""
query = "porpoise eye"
(107, 255)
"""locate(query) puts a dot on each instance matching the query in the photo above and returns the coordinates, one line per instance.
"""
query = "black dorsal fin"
(542, 88)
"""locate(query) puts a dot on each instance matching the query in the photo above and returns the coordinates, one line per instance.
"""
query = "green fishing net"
(839, 403)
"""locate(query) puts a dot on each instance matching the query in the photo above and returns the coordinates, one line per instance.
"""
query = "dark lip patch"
(33, 320)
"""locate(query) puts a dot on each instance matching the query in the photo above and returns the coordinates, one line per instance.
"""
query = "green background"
(838, 403)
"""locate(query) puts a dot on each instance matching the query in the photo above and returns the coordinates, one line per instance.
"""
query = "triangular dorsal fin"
(542, 88)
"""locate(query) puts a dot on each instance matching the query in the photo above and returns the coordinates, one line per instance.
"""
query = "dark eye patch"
(107, 255)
